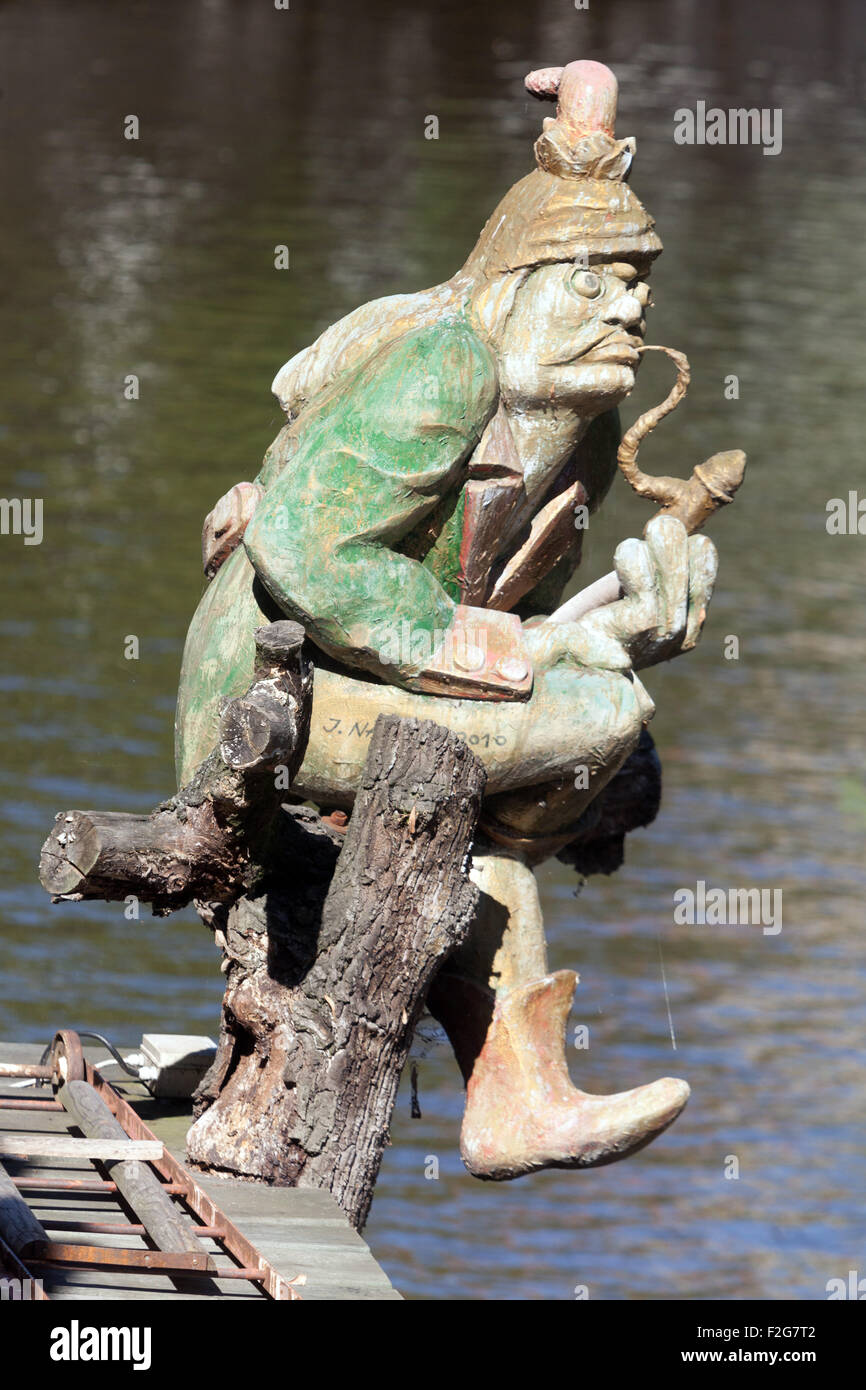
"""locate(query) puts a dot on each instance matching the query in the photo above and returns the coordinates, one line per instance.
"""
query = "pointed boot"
(522, 1111)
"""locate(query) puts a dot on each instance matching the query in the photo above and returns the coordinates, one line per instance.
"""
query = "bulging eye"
(587, 283)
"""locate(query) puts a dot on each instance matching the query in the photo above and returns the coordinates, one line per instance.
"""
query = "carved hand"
(667, 582)
(224, 526)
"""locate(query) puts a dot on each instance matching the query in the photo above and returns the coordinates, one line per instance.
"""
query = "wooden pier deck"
(300, 1232)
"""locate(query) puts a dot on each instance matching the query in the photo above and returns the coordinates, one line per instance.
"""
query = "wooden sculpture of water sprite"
(419, 516)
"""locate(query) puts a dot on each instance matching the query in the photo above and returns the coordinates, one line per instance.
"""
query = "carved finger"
(668, 544)
(596, 641)
(633, 567)
(703, 566)
(645, 703)
(637, 614)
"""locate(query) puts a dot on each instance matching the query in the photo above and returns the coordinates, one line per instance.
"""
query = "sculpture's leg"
(506, 1017)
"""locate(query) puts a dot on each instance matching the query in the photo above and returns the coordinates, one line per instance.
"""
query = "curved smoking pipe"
(692, 500)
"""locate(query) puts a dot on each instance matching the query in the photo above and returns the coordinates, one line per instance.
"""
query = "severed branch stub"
(323, 992)
(208, 840)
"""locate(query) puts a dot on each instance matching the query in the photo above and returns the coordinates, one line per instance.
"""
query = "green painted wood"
(375, 458)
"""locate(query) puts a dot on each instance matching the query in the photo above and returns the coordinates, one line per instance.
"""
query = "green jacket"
(360, 536)
(372, 462)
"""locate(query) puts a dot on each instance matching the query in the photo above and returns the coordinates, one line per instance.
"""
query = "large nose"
(626, 310)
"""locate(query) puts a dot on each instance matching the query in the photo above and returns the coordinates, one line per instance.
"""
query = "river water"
(155, 258)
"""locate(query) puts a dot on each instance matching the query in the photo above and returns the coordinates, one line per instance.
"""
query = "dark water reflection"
(156, 257)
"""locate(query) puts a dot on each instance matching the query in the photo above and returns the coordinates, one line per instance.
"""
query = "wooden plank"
(303, 1231)
(66, 1283)
(66, 1146)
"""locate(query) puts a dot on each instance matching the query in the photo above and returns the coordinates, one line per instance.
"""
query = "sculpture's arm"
(373, 461)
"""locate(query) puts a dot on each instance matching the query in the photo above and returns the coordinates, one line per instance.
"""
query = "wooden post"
(323, 996)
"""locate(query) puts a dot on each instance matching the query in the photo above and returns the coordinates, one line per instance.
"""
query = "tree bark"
(209, 840)
(330, 938)
(327, 977)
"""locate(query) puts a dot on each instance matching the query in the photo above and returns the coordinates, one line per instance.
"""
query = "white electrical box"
(174, 1063)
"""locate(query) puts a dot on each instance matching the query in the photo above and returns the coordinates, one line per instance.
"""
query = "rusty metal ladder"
(171, 1211)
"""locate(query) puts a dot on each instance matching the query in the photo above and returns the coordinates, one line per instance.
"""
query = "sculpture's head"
(557, 279)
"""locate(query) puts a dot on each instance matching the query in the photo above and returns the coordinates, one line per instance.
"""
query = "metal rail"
(169, 1209)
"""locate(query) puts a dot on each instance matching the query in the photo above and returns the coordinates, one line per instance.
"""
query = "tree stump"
(329, 966)
(330, 940)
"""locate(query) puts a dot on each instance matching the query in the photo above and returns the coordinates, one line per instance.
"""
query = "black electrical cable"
(88, 1033)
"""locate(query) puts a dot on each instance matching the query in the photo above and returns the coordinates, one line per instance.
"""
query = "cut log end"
(279, 643)
(256, 732)
(73, 849)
